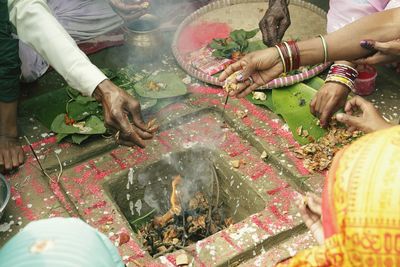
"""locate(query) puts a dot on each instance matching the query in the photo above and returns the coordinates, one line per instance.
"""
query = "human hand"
(131, 10)
(310, 211)
(369, 120)
(275, 22)
(387, 52)
(117, 106)
(261, 66)
(329, 99)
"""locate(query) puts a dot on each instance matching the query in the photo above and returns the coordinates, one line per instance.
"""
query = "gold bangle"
(290, 56)
(282, 58)
(324, 44)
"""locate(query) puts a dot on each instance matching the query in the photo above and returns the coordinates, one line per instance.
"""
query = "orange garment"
(361, 206)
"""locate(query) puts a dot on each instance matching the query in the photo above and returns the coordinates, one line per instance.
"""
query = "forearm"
(37, 27)
(344, 44)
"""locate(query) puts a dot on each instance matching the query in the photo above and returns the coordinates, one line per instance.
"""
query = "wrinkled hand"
(329, 99)
(275, 22)
(129, 10)
(387, 52)
(369, 120)
(117, 106)
(310, 210)
(262, 66)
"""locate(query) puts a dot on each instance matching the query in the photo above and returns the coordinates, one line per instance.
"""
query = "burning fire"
(175, 203)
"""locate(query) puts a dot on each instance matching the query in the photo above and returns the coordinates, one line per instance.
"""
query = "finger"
(240, 87)
(7, 160)
(283, 26)
(314, 203)
(272, 31)
(247, 91)
(327, 114)
(313, 104)
(136, 114)
(14, 158)
(308, 217)
(351, 121)
(21, 156)
(358, 103)
(142, 134)
(377, 58)
(128, 133)
(230, 70)
(383, 46)
(263, 27)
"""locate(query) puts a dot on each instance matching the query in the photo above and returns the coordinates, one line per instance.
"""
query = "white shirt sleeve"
(37, 27)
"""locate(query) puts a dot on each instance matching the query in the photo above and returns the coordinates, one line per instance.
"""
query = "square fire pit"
(207, 185)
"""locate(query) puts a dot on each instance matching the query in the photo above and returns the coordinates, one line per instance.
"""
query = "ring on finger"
(251, 80)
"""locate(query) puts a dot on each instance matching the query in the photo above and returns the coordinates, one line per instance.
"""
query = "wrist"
(102, 88)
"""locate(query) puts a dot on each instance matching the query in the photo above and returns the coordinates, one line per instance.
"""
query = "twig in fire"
(40, 164)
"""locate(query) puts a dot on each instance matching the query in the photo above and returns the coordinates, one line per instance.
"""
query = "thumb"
(349, 120)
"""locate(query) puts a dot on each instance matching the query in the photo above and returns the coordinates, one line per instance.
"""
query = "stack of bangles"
(343, 74)
(290, 54)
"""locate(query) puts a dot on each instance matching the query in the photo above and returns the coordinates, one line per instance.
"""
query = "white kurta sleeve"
(37, 27)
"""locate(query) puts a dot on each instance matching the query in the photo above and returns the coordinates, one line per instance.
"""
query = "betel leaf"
(61, 137)
(59, 126)
(95, 124)
(293, 104)
(172, 86)
(79, 138)
(79, 111)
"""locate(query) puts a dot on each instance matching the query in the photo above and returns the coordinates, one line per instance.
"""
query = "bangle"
(282, 58)
(342, 80)
(290, 56)
(325, 48)
(296, 54)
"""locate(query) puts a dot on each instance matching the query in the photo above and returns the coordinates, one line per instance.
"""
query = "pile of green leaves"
(238, 41)
(293, 104)
(83, 116)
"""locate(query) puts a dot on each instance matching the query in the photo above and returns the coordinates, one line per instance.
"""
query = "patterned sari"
(360, 206)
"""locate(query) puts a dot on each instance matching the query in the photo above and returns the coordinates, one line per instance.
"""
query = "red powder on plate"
(194, 37)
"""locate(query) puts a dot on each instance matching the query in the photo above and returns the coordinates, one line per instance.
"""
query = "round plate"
(307, 21)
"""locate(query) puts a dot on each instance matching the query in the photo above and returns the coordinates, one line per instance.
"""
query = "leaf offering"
(161, 85)
(293, 104)
(235, 46)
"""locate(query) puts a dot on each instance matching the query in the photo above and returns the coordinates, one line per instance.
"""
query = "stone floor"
(95, 182)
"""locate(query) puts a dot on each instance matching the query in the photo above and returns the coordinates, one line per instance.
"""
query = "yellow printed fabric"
(362, 202)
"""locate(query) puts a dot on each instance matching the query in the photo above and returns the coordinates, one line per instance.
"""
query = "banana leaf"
(315, 82)
(172, 86)
(293, 104)
(268, 103)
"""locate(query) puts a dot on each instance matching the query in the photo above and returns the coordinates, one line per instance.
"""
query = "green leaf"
(72, 92)
(255, 46)
(172, 86)
(59, 126)
(95, 124)
(239, 36)
(293, 104)
(147, 103)
(220, 54)
(79, 138)
(61, 137)
(109, 73)
(315, 82)
(216, 44)
(251, 34)
(84, 99)
(268, 103)
(79, 111)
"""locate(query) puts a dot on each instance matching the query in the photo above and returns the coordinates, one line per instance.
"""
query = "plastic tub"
(365, 83)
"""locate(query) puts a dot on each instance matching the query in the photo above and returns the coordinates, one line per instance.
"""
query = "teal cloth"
(10, 70)
(73, 244)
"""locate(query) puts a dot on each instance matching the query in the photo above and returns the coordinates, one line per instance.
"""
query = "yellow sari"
(361, 206)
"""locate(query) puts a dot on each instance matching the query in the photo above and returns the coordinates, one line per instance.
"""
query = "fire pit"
(182, 198)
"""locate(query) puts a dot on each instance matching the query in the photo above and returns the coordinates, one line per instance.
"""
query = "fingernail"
(239, 77)
(367, 44)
